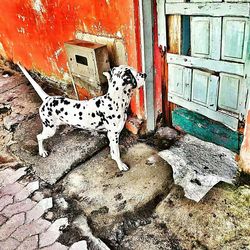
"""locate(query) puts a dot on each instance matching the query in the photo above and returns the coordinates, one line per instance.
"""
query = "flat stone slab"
(67, 149)
(102, 190)
(198, 165)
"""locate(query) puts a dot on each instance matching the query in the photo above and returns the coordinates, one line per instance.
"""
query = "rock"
(163, 138)
(105, 195)
(62, 203)
(49, 216)
(4, 108)
(133, 125)
(219, 221)
(81, 223)
(152, 160)
(195, 165)
(37, 196)
(11, 121)
(166, 133)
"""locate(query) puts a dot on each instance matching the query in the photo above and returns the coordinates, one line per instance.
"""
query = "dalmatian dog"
(106, 113)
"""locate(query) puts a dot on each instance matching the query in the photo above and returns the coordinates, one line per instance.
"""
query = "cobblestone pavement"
(31, 216)
(22, 210)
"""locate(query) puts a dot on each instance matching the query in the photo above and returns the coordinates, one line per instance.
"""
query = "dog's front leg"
(115, 151)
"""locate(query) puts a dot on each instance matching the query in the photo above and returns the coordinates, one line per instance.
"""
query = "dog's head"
(127, 76)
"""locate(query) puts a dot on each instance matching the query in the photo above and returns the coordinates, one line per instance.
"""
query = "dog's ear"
(107, 74)
(129, 78)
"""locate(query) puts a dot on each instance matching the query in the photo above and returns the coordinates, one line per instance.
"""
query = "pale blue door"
(211, 76)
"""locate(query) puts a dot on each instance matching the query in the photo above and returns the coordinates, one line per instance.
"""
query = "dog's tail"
(35, 85)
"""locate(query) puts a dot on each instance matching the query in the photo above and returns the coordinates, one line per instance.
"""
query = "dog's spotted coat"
(106, 113)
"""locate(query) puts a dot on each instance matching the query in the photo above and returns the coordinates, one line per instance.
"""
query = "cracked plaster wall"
(34, 31)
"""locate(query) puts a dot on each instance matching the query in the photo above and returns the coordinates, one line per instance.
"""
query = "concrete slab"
(198, 165)
(101, 190)
(67, 149)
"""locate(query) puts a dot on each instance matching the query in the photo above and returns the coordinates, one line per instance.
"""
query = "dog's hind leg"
(115, 151)
(46, 133)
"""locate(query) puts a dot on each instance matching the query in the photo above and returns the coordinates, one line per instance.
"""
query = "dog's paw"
(44, 153)
(123, 167)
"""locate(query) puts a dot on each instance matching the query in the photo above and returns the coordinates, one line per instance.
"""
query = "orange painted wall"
(33, 31)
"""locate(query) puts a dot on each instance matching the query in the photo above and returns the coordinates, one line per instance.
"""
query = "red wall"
(33, 31)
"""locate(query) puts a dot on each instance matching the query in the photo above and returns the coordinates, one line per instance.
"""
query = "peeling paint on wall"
(2, 51)
(23, 30)
(38, 6)
(58, 52)
(21, 17)
(34, 31)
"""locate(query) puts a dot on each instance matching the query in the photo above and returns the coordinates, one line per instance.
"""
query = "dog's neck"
(122, 96)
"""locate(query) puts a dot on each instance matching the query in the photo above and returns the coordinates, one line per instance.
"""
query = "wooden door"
(209, 75)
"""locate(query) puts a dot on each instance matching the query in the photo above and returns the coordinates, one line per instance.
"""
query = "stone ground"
(77, 199)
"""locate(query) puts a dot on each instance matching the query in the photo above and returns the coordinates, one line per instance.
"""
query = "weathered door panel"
(180, 81)
(205, 37)
(200, 37)
(230, 93)
(205, 89)
(200, 86)
(235, 38)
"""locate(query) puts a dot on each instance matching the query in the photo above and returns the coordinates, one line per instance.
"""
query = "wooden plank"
(174, 33)
(174, 44)
(215, 39)
(246, 85)
(208, 9)
(237, 1)
(243, 101)
(213, 65)
(161, 22)
(147, 10)
(187, 81)
(206, 129)
(229, 121)
(205, 1)
(213, 92)
(175, 1)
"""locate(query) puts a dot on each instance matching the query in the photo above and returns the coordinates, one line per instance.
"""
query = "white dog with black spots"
(107, 113)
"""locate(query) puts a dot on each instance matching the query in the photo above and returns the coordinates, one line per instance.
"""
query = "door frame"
(147, 47)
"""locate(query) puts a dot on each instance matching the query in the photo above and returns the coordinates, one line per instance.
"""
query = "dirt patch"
(216, 222)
